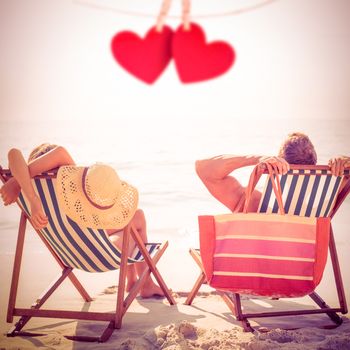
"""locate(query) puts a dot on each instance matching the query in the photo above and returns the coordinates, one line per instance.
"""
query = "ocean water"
(157, 156)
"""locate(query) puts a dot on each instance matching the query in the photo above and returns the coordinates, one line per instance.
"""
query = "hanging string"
(236, 12)
(186, 14)
(163, 14)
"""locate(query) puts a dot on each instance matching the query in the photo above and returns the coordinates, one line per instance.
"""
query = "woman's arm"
(53, 159)
(22, 174)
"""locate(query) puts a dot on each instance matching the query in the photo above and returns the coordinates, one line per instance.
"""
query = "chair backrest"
(310, 191)
(78, 247)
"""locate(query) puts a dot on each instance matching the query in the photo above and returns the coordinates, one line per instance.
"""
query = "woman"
(47, 157)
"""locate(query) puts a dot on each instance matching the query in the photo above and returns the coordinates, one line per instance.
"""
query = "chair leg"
(142, 279)
(39, 302)
(152, 268)
(200, 280)
(234, 304)
(151, 263)
(239, 314)
(339, 284)
(322, 304)
(122, 278)
(16, 267)
(81, 290)
(123, 304)
(228, 301)
(337, 273)
(197, 258)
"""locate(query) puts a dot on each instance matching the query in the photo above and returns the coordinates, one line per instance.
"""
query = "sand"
(152, 323)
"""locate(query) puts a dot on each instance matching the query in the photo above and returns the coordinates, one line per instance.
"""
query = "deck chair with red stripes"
(75, 247)
(306, 191)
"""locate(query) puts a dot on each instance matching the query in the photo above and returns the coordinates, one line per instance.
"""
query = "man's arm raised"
(338, 164)
(215, 174)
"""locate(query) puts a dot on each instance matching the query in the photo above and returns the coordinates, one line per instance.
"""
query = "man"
(296, 149)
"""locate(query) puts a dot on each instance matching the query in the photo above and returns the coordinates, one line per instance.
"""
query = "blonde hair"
(40, 150)
(298, 149)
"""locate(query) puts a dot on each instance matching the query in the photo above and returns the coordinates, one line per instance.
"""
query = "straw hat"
(95, 197)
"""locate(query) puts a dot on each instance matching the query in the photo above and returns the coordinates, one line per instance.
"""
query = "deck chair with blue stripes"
(309, 191)
(75, 247)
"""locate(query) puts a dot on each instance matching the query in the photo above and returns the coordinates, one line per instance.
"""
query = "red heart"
(197, 61)
(145, 58)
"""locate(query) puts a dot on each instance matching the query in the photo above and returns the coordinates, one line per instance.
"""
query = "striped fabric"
(267, 255)
(82, 248)
(310, 193)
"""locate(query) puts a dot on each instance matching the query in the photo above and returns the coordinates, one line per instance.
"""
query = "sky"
(293, 61)
(59, 83)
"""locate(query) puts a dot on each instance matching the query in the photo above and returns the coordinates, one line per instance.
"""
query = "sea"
(158, 157)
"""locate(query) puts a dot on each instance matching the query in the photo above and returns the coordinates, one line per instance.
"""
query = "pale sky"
(293, 61)
(293, 64)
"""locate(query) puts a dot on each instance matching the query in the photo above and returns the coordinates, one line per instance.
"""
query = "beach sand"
(153, 323)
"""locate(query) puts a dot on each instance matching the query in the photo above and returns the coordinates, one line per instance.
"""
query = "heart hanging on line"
(145, 58)
(196, 60)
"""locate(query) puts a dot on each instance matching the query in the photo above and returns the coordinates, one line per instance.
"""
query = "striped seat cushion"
(78, 247)
(310, 193)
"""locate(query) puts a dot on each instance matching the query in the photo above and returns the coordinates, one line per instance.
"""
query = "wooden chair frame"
(233, 300)
(122, 304)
